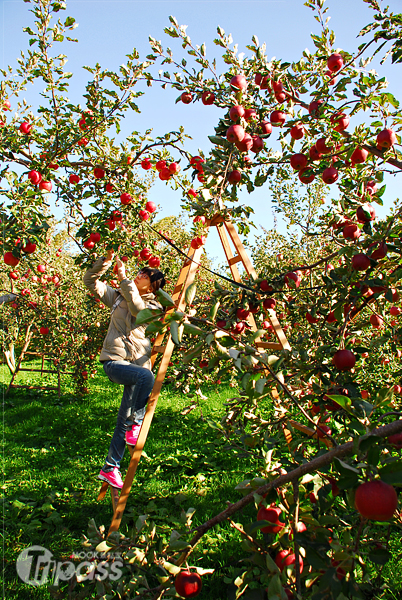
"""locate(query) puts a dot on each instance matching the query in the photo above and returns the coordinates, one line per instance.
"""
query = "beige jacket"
(124, 340)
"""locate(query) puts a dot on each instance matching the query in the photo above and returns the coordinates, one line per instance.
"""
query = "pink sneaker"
(112, 477)
(132, 434)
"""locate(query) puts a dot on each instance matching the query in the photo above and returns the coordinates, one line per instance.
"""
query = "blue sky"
(109, 29)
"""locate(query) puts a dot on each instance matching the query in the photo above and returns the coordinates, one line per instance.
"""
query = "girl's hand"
(121, 269)
(109, 255)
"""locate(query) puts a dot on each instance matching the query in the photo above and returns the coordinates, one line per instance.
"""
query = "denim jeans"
(138, 383)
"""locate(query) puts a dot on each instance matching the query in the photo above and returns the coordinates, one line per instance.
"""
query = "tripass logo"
(36, 566)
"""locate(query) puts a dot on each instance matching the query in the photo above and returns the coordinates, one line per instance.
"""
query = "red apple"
(164, 174)
(294, 277)
(234, 177)
(315, 107)
(376, 321)
(250, 115)
(161, 164)
(34, 177)
(44, 330)
(285, 558)
(174, 168)
(385, 139)
(314, 154)
(239, 82)
(29, 248)
(246, 144)
(235, 133)
(236, 112)
(10, 259)
(297, 131)
(344, 360)
(334, 62)
(265, 287)
(351, 232)
(238, 328)
(145, 254)
(208, 98)
(154, 262)
(271, 514)
(144, 215)
(277, 118)
(88, 244)
(330, 175)
(41, 268)
(186, 98)
(150, 207)
(74, 178)
(199, 219)
(322, 146)
(395, 311)
(380, 252)
(99, 173)
(187, 584)
(25, 127)
(360, 262)
(330, 318)
(306, 175)
(298, 161)
(269, 303)
(146, 164)
(258, 144)
(341, 121)
(13, 275)
(365, 213)
(265, 127)
(310, 319)
(45, 185)
(376, 500)
(126, 198)
(396, 440)
(83, 142)
(109, 188)
(242, 313)
(359, 156)
(95, 237)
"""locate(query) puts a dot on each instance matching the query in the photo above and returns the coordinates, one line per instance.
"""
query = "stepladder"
(236, 255)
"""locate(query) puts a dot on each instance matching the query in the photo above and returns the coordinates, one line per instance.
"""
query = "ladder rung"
(234, 260)
(272, 345)
(158, 349)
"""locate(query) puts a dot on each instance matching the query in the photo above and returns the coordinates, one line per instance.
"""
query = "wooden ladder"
(227, 234)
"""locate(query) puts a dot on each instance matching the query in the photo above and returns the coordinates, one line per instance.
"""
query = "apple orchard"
(319, 133)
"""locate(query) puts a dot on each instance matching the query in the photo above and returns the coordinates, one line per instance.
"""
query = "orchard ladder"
(227, 232)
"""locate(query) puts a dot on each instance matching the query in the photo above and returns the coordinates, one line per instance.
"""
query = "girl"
(126, 352)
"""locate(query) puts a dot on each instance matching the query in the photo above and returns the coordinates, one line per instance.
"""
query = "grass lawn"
(53, 450)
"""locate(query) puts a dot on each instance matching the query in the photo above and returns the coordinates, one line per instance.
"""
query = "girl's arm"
(99, 288)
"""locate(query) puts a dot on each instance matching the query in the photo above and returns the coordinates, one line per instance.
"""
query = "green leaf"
(193, 329)
(343, 401)
(146, 315)
(174, 332)
(193, 353)
(219, 141)
(165, 299)
(368, 441)
(380, 556)
(392, 473)
(190, 293)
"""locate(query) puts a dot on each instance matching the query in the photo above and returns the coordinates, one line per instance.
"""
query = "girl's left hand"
(121, 269)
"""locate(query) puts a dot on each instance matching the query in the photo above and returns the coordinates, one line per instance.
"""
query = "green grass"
(55, 448)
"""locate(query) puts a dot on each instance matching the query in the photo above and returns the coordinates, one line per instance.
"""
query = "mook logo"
(36, 566)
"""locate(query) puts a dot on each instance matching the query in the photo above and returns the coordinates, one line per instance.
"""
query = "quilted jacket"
(124, 340)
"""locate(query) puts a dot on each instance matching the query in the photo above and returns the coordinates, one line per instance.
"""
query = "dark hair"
(157, 278)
